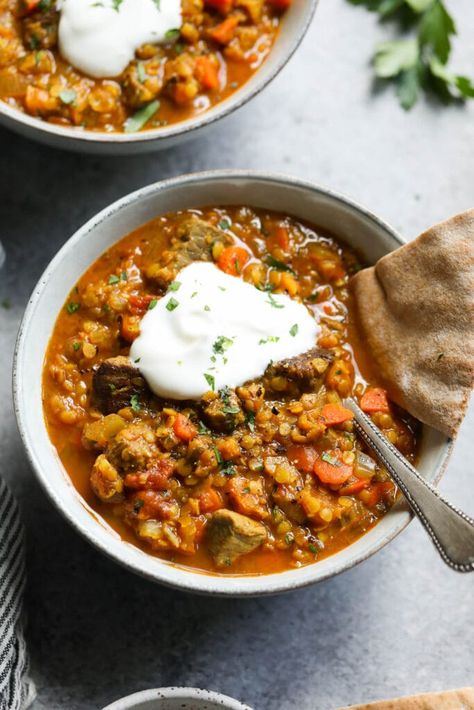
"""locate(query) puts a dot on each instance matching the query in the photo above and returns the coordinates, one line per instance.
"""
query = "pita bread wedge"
(415, 310)
(462, 699)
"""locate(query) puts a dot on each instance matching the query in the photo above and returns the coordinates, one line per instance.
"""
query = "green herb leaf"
(72, 307)
(153, 303)
(408, 87)
(141, 117)
(76, 346)
(113, 279)
(172, 304)
(171, 35)
(217, 454)
(202, 428)
(294, 329)
(222, 344)
(135, 403)
(211, 381)
(273, 302)
(329, 458)
(224, 224)
(228, 468)
(174, 286)
(391, 58)
(277, 264)
(436, 28)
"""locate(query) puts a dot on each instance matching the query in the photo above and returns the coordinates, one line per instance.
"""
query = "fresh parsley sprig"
(418, 62)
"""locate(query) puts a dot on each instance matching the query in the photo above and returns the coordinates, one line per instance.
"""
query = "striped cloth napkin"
(17, 691)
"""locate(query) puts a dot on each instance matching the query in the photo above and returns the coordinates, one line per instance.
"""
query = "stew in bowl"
(193, 422)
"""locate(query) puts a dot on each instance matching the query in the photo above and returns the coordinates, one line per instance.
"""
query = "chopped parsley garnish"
(172, 304)
(206, 308)
(174, 286)
(76, 346)
(217, 454)
(194, 293)
(135, 402)
(294, 329)
(72, 307)
(224, 224)
(202, 428)
(170, 35)
(228, 468)
(141, 117)
(289, 538)
(210, 379)
(325, 456)
(224, 394)
(270, 339)
(222, 344)
(277, 264)
(313, 549)
(137, 359)
(113, 279)
(153, 303)
(141, 72)
(273, 302)
(123, 276)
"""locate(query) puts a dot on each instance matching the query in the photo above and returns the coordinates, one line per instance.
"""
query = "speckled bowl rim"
(186, 694)
(255, 84)
(189, 580)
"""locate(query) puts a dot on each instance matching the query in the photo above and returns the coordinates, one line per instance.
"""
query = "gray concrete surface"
(401, 622)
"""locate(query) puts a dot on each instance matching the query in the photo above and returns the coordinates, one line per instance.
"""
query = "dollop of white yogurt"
(212, 330)
(101, 38)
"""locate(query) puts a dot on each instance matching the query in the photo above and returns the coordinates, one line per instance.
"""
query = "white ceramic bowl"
(177, 699)
(293, 28)
(363, 230)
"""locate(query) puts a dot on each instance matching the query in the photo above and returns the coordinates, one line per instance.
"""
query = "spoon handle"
(451, 530)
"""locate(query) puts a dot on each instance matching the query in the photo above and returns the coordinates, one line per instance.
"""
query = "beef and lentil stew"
(217, 47)
(250, 479)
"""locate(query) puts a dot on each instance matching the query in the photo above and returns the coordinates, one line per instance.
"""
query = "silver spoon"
(451, 530)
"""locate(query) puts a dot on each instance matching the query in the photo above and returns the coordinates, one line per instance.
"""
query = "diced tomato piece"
(28, 6)
(139, 304)
(374, 400)
(232, 260)
(151, 504)
(183, 428)
(224, 33)
(156, 478)
(282, 237)
(335, 414)
(222, 6)
(210, 500)
(207, 73)
(130, 328)
(331, 469)
(303, 457)
(352, 488)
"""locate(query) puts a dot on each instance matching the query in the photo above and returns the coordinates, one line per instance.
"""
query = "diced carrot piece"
(335, 414)
(280, 4)
(303, 457)
(207, 73)
(330, 468)
(353, 488)
(222, 6)
(224, 32)
(183, 428)
(282, 237)
(130, 328)
(210, 500)
(232, 260)
(374, 400)
(39, 100)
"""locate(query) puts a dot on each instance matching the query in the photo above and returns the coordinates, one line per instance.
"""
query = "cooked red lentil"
(220, 44)
(260, 478)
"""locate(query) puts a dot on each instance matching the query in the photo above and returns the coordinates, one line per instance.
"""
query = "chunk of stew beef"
(230, 535)
(114, 384)
(193, 241)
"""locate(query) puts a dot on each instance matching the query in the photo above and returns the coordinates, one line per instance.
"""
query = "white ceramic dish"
(177, 699)
(363, 230)
(294, 26)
